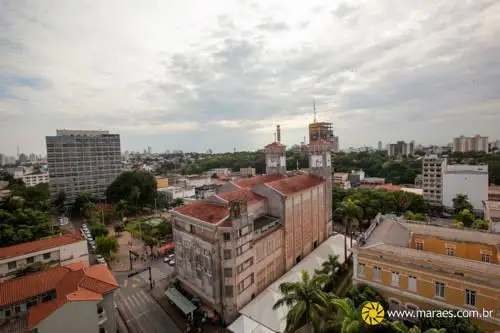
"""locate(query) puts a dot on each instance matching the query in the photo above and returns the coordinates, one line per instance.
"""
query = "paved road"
(141, 312)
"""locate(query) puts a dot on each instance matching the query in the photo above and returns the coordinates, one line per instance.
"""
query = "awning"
(166, 247)
(180, 300)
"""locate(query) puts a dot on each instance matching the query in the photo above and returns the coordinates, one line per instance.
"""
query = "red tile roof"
(86, 284)
(389, 187)
(226, 224)
(295, 184)
(204, 211)
(251, 182)
(244, 194)
(41, 244)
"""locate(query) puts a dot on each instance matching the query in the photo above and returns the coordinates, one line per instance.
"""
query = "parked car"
(101, 261)
(171, 262)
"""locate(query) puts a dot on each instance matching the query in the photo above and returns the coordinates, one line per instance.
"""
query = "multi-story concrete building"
(341, 179)
(494, 193)
(230, 246)
(82, 161)
(53, 301)
(417, 266)
(432, 179)
(470, 180)
(492, 215)
(53, 251)
(247, 172)
(380, 147)
(464, 144)
(401, 148)
(324, 130)
(33, 179)
(206, 191)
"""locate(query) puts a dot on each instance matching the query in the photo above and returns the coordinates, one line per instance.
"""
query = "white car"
(101, 261)
(171, 262)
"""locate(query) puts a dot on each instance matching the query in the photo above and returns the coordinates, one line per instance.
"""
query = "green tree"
(136, 187)
(414, 217)
(461, 203)
(98, 230)
(24, 225)
(348, 213)
(450, 325)
(305, 300)
(107, 246)
(466, 217)
(349, 320)
(164, 228)
(361, 293)
(60, 201)
(480, 224)
(89, 209)
(150, 241)
(331, 268)
(83, 201)
(119, 228)
(122, 208)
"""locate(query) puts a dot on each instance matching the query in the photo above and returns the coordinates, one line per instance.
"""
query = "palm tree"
(349, 212)
(330, 268)
(121, 208)
(305, 300)
(399, 327)
(349, 319)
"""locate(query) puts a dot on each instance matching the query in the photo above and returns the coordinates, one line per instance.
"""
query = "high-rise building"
(82, 161)
(464, 144)
(324, 130)
(380, 147)
(231, 246)
(401, 148)
(470, 180)
(432, 179)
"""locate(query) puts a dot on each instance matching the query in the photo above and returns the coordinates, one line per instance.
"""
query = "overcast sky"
(196, 74)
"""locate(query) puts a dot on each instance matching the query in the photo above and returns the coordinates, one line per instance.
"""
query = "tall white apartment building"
(82, 161)
(470, 180)
(432, 179)
(465, 144)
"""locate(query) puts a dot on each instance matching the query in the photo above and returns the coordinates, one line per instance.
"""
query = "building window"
(12, 265)
(244, 231)
(46, 256)
(439, 292)
(485, 257)
(7, 313)
(227, 254)
(412, 283)
(378, 273)
(244, 248)
(227, 237)
(361, 270)
(247, 282)
(450, 251)
(30, 260)
(419, 245)
(228, 272)
(17, 309)
(243, 266)
(229, 291)
(395, 279)
(470, 297)
(191, 228)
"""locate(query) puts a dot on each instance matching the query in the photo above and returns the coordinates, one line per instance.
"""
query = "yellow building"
(161, 182)
(417, 266)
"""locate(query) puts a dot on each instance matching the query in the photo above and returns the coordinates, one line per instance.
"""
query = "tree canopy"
(137, 188)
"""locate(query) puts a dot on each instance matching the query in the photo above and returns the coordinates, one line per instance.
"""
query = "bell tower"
(276, 155)
(320, 165)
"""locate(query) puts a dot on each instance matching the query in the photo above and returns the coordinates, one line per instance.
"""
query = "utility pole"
(314, 108)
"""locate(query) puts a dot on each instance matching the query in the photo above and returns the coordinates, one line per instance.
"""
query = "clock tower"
(276, 156)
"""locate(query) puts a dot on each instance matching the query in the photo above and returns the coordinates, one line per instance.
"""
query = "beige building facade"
(476, 143)
(232, 245)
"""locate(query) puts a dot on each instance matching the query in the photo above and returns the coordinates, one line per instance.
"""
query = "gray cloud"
(369, 66)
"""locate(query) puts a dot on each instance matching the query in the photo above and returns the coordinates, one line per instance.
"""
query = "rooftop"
(291, 185)
(251, 182)
(244, 194)
(40, 245)
(205, 211)
(275, 145)
(390, 187)
(71, 283)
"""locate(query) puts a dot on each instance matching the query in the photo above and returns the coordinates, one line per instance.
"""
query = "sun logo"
(372, 313)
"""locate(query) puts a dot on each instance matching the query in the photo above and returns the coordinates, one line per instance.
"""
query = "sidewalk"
(122, 260)
(173, 312)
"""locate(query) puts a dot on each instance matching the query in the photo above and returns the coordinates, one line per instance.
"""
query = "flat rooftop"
(264, 221)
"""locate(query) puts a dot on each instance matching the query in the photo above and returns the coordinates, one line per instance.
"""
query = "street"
(141, 313)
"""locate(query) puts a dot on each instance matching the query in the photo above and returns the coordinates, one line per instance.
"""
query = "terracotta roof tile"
(40, 312)
(389, 187)
(70, 284)
(41, 244)
(76, 266)
(295, 184)
(244, 193)
(204, 211)
(251, 182)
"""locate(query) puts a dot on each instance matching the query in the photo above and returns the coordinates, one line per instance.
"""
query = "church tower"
(276, 155)
(320, 165)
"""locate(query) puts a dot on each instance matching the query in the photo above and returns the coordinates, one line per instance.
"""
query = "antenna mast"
(314, 108)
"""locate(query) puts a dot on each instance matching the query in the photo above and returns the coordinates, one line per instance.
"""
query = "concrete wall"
(275, 201)
(474, 185)
(74, 317)
(269, 259)
(109, 312)
(63, 255)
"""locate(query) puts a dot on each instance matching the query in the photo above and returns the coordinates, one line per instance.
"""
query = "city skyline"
(165, 77)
